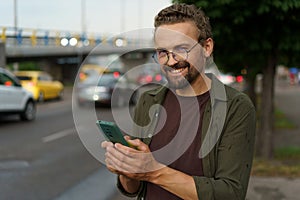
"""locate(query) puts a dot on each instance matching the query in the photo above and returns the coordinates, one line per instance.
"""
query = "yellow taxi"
(40, 84)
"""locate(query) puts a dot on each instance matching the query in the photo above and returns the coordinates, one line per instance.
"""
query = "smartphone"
(112, 132)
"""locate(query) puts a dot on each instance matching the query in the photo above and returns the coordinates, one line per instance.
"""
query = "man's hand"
(136, 163)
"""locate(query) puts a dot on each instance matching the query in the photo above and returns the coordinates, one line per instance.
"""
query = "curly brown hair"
(181, 12)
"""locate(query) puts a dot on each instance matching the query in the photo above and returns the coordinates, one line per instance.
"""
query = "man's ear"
(208, 47)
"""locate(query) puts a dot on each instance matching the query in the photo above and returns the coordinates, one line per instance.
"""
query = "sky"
(99, 16)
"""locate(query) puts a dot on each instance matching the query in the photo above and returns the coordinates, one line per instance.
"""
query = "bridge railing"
(27, 37)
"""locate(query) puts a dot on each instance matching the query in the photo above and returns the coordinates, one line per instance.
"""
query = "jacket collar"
(217, 90)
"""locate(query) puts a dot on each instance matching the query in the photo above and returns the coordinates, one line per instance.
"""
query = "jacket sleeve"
(232, 155)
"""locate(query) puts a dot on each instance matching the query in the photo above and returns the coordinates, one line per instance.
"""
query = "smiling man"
(198, 143)
(184, 64)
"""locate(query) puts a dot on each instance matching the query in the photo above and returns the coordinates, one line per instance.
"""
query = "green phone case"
(112, 132)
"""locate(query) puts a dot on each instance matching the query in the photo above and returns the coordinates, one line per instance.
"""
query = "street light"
(64, 42)
(73, 42)
(120, 42)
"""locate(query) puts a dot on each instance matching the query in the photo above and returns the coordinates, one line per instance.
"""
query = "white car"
(14, 99)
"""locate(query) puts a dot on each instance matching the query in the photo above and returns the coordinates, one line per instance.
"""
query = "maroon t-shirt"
(178, 139)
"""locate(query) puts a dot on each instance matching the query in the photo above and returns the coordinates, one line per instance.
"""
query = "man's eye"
(162, 53)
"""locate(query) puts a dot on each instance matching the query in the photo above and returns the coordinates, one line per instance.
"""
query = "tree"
(256, 35)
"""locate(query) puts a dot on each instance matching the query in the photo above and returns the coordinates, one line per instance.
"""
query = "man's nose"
(171, 60)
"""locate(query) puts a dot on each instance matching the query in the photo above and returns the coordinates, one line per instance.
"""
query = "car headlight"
(95, 97)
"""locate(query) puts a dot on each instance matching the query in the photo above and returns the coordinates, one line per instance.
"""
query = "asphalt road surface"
(45, 158)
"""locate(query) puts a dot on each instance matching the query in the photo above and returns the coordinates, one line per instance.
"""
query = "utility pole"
(2, 55)
(15, 20)
(122, 15)
(83, 16)
(140, 17)
(16, 64)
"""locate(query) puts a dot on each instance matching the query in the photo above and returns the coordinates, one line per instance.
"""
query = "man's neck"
(201, 85)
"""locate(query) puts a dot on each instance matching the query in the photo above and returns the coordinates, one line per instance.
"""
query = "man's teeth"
(177, 70)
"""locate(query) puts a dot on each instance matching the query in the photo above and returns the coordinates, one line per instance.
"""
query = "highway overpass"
(62, 53)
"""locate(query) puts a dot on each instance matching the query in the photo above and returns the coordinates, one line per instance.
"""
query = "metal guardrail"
(49, 38)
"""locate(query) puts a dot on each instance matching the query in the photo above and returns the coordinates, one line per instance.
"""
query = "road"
(45, 158)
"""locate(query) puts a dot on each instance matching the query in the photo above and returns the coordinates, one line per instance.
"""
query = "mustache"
(178, 65)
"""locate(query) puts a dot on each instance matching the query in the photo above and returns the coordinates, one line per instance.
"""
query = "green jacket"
(230, 119)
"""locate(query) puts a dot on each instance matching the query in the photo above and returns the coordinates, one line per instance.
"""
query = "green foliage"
(281, 121)
(290, 152)
(286, 163)
(246, 32)
(283, 167)
(30, 66)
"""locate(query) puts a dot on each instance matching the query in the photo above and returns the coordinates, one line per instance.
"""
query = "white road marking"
(58, 135)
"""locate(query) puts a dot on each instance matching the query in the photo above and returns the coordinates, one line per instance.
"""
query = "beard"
(180, 82)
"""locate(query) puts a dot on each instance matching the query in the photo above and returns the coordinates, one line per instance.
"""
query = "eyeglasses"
(161, 56)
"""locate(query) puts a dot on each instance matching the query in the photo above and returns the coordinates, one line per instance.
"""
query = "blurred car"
(40, 84)
(158, 78)
(227, 79)
(150, 74)
(14, 99)
(107, 89)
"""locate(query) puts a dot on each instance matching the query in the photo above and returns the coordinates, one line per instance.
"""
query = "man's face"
(180, 37)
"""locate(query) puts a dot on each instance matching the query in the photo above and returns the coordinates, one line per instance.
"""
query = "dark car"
(107, 89)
